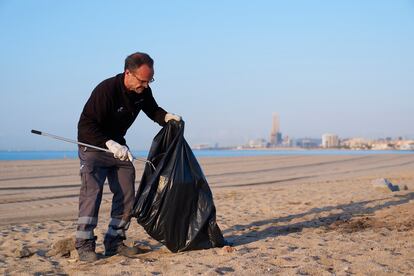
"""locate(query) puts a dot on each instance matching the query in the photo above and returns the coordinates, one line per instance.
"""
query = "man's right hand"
(119, 151)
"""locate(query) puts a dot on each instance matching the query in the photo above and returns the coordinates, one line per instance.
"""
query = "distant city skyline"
(343, 67)
(325, 140)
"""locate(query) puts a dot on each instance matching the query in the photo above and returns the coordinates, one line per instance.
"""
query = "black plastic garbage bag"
(174, 203)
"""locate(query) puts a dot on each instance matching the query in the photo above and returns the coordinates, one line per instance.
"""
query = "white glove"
(119, 151)
(171, 116)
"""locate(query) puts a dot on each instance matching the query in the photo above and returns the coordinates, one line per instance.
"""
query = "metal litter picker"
(86, 145)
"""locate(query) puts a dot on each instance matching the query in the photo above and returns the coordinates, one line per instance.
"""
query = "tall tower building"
(275, 134)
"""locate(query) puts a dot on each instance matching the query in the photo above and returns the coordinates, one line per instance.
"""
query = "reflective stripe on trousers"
(85, 227)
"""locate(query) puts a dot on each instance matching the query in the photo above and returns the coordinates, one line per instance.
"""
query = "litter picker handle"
(68, 140)
(84, 144)
(36, 132)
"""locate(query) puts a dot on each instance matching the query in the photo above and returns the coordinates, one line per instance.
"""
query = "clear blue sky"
(345, 67)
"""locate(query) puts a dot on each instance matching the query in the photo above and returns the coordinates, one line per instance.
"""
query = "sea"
(56, 155)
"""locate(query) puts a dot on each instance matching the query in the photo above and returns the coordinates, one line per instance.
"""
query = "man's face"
(139, 79)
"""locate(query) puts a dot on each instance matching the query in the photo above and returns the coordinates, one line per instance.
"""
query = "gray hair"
(136, 60)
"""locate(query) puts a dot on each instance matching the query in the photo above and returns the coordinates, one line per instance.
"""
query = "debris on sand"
(385, 184)
(62, 248)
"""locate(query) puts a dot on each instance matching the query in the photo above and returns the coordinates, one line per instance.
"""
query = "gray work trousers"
(95, 167)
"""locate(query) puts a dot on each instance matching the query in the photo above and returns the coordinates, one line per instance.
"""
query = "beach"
(285, 215)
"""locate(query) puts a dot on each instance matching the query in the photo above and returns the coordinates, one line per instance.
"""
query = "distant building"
(257, 143)
(201, 146)
(406, 145)
(308, 142)
(382, 146)
(356, 143)
(275, 134)
(287, 141)
(330, 140)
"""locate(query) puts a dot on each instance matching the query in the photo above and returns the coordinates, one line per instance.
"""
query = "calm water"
(47, 155)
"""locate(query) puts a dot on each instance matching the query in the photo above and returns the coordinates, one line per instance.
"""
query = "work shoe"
(86, 249)
(123, 250)
(87, 256)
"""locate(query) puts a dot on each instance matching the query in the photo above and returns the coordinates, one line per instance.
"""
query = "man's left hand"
(171, 116)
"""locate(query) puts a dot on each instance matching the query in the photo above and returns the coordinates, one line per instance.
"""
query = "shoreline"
(200, 153)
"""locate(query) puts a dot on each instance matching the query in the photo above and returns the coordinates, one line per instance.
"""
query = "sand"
(286, 215)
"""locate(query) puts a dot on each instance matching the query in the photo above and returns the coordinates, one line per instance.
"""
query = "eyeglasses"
(142, 81)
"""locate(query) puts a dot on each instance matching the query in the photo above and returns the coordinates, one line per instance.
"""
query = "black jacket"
(111, 109)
